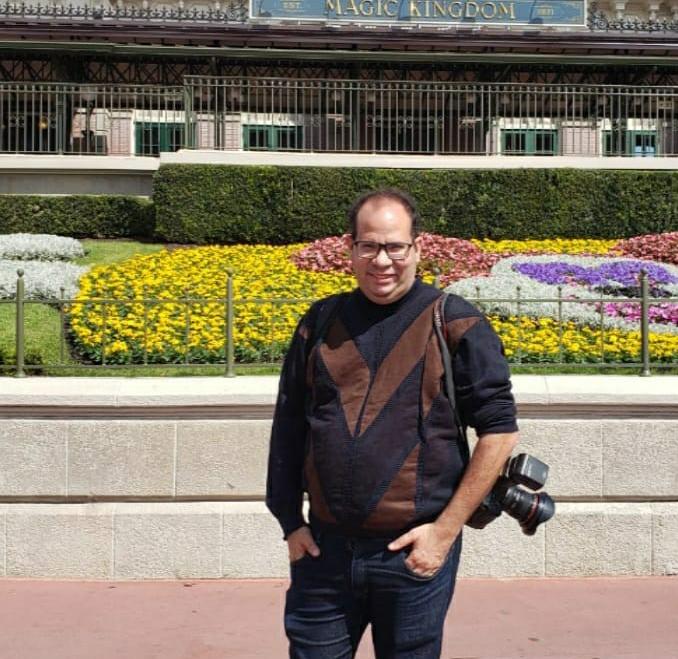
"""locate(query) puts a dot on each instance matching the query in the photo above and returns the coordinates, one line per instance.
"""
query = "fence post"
(230, 371)
(644, 324)
(188, 116)
(436, 279)
(19, 335)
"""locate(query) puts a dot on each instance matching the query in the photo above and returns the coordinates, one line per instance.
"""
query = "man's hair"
(385, 194)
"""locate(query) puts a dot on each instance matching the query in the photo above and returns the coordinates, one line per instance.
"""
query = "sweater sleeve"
(482, 381)
(284, 483)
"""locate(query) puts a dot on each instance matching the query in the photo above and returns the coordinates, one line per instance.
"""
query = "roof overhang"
(461, 53)
(263, 40)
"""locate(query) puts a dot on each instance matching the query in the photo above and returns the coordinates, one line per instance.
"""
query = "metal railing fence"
(181, 349)
(333, 116)
(57, 118)
(433, 117)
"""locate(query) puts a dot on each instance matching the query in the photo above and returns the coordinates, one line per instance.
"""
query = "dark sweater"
(362, 422)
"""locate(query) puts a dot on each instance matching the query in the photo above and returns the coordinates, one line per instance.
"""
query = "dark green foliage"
(78, 216)
(234, 204)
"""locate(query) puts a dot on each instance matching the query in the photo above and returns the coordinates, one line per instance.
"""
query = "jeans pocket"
(301, 559)
(317, 537)
(421, 577)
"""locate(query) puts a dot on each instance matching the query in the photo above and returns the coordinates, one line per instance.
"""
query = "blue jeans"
(355, 582)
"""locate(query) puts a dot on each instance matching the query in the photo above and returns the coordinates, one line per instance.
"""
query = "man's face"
(382, 279)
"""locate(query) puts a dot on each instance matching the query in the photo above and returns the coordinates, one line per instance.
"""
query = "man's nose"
(382, 258)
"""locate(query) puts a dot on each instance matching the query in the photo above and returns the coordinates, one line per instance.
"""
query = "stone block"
(501, 549)
(573, 451)
(571, 448)
(167, 541)
(121, 458)
(222, 458)
(665, 538)
(599, 539)
(33, 455)
(252, 542)
(3, 552)
(640, 457)
(59, 541)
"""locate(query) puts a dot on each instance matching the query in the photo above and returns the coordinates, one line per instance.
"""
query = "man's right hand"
(300, 543)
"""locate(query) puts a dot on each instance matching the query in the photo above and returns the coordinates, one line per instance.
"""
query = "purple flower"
(614, 273)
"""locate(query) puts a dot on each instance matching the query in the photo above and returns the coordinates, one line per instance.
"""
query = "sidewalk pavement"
(594, 618)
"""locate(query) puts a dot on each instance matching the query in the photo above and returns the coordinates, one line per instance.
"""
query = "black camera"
(530, 508)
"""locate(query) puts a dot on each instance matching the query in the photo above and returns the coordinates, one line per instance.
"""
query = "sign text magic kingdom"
(509, 12)
(525, 12)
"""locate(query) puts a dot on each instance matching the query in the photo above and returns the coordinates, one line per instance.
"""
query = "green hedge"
(79, 216)
(233, 204)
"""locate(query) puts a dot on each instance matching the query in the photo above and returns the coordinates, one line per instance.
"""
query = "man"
(363, 425)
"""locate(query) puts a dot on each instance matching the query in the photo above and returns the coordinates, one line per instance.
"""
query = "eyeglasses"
(367, 249)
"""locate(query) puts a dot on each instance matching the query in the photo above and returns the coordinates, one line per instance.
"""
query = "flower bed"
(451, 258)
(171, 330)
(174, 328)
(658, 247)
(42, 281)
(39, 247)
(583, 247)
(570, 288)
(538, 340)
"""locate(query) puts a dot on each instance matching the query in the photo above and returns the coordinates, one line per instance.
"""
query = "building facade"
(471, 77)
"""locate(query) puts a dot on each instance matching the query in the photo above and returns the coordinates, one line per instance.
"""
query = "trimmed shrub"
(253, 204)
(78, 216)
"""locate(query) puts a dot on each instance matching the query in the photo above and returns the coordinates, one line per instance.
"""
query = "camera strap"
(439, 326)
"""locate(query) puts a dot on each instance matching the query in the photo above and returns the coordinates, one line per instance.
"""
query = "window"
(529, 142)
(642, 143)
(636, 143)
(155, 138)
(272, 138)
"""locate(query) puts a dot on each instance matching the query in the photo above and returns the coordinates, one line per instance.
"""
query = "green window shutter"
(529, 142)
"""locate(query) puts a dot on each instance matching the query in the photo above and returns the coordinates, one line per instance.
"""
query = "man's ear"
(348, 241)
(417, 247)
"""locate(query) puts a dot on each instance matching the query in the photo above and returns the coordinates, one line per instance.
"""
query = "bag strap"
(439, 326)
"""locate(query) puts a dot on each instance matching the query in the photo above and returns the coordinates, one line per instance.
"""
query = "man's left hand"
(430, 546)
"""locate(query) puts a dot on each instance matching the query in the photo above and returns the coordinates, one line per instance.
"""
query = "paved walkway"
(629, 618)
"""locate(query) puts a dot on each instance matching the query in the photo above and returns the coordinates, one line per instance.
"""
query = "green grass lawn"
(103, 252)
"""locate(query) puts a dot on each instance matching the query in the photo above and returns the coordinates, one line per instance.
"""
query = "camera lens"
(530, 509)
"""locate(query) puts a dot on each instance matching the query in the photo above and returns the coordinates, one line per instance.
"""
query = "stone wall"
(164, 478)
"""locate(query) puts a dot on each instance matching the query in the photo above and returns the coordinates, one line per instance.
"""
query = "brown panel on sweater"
(347, 369)
(433, 372)
(318, 504)
(457, 328)
(398, 364)
(396, 508)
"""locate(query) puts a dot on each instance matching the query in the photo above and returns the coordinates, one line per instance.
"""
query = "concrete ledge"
(61, 175)
(531, 391)
(403, 161)
(237, 540)
(89, 164)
